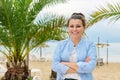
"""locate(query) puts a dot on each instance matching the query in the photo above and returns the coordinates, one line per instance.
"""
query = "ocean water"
(113, 51)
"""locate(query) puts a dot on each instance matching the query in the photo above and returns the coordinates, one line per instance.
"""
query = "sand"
(110, 71)
(45, 68)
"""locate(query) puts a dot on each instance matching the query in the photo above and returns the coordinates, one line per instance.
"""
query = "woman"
(75, 58)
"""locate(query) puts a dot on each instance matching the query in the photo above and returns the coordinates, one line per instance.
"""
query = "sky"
(103, 29)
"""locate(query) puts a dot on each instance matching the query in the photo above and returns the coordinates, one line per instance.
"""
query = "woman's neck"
(76, 41)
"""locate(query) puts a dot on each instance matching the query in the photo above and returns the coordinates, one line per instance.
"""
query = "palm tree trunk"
(17, 73)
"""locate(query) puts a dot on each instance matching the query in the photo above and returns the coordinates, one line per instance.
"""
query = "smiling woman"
(75, 57)
(76, 26)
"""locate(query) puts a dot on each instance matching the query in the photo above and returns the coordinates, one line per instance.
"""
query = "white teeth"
(74, 32)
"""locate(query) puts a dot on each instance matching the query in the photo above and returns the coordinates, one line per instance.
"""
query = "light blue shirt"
(84, 49)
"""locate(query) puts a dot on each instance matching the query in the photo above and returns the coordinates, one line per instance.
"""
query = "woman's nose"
(74, 28)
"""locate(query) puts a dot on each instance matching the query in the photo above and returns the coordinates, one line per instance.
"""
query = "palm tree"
(112, 12)
(19, 34)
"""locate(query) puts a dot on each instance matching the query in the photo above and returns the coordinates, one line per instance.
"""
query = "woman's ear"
(85, 27)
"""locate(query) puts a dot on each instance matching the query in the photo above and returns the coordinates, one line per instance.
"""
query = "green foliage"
(112, 12)
(18, 32)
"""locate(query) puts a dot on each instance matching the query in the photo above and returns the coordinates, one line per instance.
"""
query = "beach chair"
(36, 73)
(53, 75)
(36, 78)
(43, 59)
(33, 57)
(100, 62)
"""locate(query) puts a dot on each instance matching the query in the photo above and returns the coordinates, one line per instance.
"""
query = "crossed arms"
(73, 67)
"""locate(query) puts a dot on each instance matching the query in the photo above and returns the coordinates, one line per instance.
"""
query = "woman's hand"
(72, 65)
(87, 59)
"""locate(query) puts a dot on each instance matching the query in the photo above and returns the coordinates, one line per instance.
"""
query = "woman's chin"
(76, 37)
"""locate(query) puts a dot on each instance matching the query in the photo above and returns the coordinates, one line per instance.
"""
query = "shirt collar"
(78, 45)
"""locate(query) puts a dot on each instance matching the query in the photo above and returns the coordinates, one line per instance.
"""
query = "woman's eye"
(71, 26)
(75, 26)
(78, 26)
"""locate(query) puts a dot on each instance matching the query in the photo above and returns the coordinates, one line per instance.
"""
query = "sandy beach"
(108, 71)
(45, 68)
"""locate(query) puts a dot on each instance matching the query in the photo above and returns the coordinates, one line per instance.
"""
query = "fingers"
(87, 59)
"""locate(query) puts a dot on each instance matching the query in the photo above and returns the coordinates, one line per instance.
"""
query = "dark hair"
(79, 16)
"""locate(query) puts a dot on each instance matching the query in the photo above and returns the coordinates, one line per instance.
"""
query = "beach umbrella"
(102, 45)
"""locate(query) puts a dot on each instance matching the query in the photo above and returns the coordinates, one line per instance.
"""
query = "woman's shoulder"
(88, 41)
(63, 42)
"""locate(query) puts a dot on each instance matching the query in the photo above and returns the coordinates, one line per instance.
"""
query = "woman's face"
(75, 28)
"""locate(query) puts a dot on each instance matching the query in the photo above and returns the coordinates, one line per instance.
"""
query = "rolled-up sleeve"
(88, 67)
(56, 65)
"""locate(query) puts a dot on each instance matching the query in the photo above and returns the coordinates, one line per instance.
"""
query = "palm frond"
(50, 29)
(112, 12)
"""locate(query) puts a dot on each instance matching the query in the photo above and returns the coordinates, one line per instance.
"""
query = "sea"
(108, 54)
